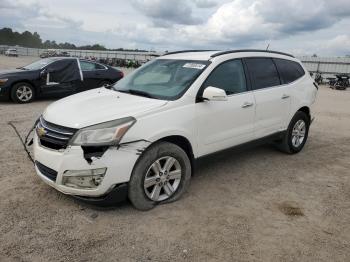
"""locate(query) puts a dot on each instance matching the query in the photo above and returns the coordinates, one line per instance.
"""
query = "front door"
(60, 78)
(223, 124)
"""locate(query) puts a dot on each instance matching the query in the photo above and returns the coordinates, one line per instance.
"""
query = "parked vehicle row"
(54, 53)
(339, 82)
(141, 138)
(55, 77)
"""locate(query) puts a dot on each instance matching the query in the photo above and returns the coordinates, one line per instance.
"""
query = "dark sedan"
(55, 77)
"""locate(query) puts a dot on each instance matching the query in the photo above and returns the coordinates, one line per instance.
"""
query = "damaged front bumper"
(119, 161)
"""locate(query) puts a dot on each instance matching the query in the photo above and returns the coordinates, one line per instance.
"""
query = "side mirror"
(214, 94)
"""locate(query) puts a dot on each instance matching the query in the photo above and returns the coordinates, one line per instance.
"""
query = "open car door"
(62, 77)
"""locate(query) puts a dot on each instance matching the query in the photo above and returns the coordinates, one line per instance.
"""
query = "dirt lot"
(255, 205)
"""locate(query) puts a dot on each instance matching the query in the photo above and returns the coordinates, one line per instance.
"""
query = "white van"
(140, 138)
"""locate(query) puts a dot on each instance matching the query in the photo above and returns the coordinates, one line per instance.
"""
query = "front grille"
(53, 136)
(46, 171)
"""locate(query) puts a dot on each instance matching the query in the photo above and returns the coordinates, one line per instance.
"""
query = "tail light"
(121, 74)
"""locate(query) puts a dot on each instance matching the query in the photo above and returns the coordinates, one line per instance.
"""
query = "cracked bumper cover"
(118, 161)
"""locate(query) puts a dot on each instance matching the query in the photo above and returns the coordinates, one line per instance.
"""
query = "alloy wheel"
(298, 133)
(24, 93)
(162, 178)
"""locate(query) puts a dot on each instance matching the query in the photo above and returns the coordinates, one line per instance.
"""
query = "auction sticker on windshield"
(194, 66)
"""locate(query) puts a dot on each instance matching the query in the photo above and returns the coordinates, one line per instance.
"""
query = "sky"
(301, 27)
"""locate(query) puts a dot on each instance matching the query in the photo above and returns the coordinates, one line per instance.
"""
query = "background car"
(11, 52)
(55, 77)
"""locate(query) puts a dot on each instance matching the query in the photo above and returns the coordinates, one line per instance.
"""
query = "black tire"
(104, 83)
(285, 144)
(136, 190)
(15, 96)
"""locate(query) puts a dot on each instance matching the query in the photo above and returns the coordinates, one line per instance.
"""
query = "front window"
(38, 64)
(162, 78)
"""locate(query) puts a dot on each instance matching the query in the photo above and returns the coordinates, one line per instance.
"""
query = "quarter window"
(98, 66)
(263, 72)
(228, 76)
(289, 70)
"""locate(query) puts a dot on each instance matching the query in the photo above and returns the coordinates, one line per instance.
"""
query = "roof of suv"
(209, 54)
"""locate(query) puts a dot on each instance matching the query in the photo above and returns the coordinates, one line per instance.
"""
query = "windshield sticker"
(194, 66)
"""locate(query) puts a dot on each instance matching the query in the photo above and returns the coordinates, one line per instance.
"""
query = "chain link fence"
(127, 55)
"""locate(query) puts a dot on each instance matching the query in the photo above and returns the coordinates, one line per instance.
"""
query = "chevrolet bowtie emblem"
(41, 131)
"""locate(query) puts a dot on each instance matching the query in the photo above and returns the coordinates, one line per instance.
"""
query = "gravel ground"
(253, 205)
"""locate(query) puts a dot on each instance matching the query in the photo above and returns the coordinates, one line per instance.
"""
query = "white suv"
(140, 138)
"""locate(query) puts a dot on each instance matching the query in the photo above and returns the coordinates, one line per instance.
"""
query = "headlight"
(108, 133)
(3, 81)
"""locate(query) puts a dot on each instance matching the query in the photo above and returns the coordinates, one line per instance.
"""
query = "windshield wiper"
(136, 92)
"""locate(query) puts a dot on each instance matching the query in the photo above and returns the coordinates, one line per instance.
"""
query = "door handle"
(247, 104)
(284, 96)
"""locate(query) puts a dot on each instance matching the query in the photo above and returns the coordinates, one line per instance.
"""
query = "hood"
(97, 106)
(13, 72)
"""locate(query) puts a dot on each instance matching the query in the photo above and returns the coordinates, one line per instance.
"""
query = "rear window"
(263, 72)
(289, 70)
(98, 66)
(89, 66)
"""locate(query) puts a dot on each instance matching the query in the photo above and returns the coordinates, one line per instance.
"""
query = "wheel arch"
(25, 81)
(183, 143)
(306, 110)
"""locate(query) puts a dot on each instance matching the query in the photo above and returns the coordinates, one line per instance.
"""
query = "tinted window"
(263, 72)
(289, 70)
(228, 76)
(98, 66)
(87, 66)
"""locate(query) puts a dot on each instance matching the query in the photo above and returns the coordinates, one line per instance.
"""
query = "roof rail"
(186, 51)
(249, 50)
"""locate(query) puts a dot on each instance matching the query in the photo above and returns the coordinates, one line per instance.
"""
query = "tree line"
(28, 39)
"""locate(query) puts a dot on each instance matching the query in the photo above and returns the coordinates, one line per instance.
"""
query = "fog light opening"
(84, 179)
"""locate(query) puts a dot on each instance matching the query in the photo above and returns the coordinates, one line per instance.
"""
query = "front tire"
(161, 175)
(22, 93)
(296, 134)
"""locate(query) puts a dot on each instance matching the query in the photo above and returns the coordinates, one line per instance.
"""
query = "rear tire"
(296, 134)
(22, 93)
(153, 183)
(105, 83)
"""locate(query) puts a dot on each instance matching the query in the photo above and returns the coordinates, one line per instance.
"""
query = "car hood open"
(97, 106)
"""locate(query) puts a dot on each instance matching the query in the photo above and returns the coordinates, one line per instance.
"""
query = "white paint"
(209, 126)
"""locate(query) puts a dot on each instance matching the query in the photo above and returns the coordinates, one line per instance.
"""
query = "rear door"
(272, 98)
(93, 74)
(223, 124)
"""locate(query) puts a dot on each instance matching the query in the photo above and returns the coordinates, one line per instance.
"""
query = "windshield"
(38, 64)
(162, 78)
